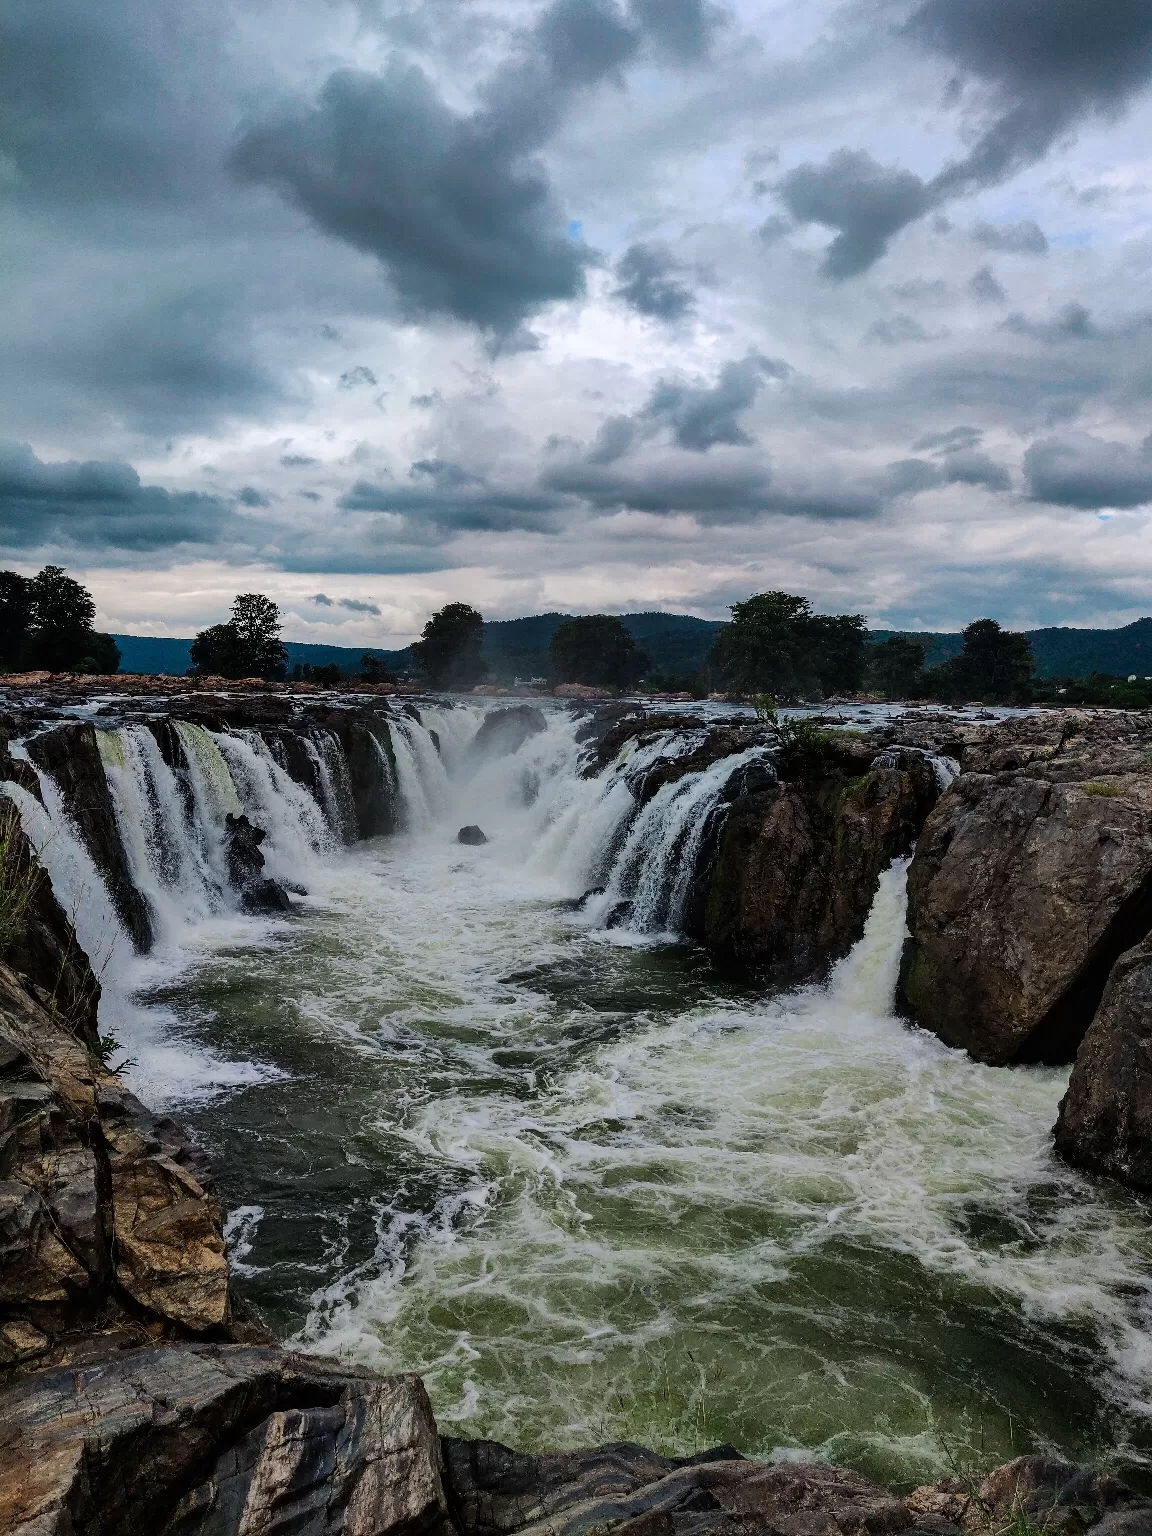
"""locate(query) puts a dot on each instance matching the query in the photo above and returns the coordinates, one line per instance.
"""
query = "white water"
(595, 1192)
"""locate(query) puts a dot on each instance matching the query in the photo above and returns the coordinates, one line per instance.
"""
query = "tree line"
(47, 623)
(774, 645)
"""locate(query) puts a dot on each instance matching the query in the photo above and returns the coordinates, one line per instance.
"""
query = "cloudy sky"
(586, 304)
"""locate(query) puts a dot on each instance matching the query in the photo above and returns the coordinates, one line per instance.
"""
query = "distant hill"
(679, 643)
(1059, 652)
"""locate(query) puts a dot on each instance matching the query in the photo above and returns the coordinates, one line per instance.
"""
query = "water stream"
(588, 1184)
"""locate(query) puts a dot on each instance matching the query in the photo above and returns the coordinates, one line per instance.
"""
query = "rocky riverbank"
(139, 1394)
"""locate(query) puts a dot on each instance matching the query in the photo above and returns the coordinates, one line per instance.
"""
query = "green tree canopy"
(596, 649)
(775, 644)
(996, 665)
(249, 645)
(46, 622)
(448, 652)
(895, 667)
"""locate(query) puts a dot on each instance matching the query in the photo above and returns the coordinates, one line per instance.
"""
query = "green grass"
(1108, 791)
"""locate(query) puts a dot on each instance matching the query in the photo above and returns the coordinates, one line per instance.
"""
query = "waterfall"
(653, 872)
(866, 977)
(76, 882)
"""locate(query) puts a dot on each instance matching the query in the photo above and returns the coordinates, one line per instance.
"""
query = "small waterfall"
(653, 873)
(335, 783)
(866, 977)
(76, 882)
(422, 779)
(296, 826)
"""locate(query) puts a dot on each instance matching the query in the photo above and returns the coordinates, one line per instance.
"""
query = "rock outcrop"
(1033, 874)
(1105, 1121)
(472, 835)
(246, 868)
(504, 731)
(798, 861)
(207, 1440)
(1038, 1493)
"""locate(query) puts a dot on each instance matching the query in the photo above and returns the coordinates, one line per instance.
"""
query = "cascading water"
(596, 1190)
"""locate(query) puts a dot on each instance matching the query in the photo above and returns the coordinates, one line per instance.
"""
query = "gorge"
(482, 1113)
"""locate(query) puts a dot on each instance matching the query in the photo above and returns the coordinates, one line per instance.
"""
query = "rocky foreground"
(140, 1396)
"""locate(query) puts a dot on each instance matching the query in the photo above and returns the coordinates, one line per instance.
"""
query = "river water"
(588, 1184)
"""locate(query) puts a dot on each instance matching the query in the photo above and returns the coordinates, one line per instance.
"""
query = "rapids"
(588, 1184)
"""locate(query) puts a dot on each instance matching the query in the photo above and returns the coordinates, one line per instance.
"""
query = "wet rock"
(798, 862)
(1043, 1492)
(624, 1488)
(258, 893)
(202, 1440)
(1032, 876)
(71, 755)
(472, 835)
(1105, 1121)
(503, 732)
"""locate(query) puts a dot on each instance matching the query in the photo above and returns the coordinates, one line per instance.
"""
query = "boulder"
(1032, 876)
(258, 893)
(634, 1492)
(503, 732)
(1105, 1121)
(798, 862)
(211, 1440)
(1039, 1493)
(472, 835)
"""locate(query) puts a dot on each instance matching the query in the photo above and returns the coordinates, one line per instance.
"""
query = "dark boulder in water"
(257, 892)
(504, 731)
(472, 835)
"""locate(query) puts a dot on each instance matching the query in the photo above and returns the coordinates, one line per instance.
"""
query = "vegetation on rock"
(448, 653)
(248, 645)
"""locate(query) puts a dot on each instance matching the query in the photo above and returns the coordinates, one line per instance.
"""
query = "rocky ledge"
(211, 1440)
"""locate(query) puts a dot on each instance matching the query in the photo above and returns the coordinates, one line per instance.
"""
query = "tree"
(995, 665)
(598, 650)
(776, 645)
(448, 653)
(58, 634)
(15, 609)
(895, 667)
(373, 670)
(249, 645)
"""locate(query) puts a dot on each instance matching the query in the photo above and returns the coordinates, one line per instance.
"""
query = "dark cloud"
(1089, 472)
(703, 415)
(1042, 69)
(867, 202)
(953, 440)
(97, 505)
(774, 229)
(1026, 237)
(354, 605)
(1071, 323)
(984, 288)
(893, 332)
(249, 496)
(444, 496)
(355, 378)
(454, 205)
(908, 477)
(297, 461)
(681, 31)
(652, 282)
(323, 600)
(615, 437)
(426, 402)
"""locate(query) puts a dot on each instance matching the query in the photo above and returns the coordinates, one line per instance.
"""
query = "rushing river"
(590, 1186)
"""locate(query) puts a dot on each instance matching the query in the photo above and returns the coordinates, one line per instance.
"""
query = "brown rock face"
(798, 864)
(1032, 875)
(203, 1440)
(1105, 1121)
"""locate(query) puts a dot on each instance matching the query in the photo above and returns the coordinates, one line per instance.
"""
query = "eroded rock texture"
(203, 1440)
(798, 862)
(1032, 875)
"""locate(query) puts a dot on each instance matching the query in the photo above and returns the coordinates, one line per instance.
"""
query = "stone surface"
(1033, 874)
(210, 1440)
(624, 1488)
(472, 835)
(1105, 1121)
(797, 864)
(504, 731)
(246, 868)
(1051, 1494)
